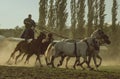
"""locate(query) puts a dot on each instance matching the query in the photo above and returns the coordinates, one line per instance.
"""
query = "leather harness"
(75, 49)
(85, 40)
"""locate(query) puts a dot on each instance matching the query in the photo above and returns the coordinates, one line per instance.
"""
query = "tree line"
(53, 15)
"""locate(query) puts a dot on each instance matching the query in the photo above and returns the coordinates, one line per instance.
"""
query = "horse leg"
(12, 55)
(46, 61)
(67, 59)
(88, 63)
(61, 61)
(84, 61)
(23, 56)
(76, 61)
(38, 58)
(52, 62)
(94, 59)
(81, 64)
(18, 57)
(27, 59)
(100, 60)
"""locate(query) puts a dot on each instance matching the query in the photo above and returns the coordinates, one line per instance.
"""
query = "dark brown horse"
(41, 49)
(26, 47)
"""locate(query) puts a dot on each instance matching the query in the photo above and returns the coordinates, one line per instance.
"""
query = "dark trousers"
(28, 34)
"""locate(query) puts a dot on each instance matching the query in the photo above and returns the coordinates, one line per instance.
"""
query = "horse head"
(106, 39)
(99, 34)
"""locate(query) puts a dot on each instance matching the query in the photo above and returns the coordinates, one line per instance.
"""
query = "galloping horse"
(26, 47)
(102, 39)
(64, 49)
(43, 47)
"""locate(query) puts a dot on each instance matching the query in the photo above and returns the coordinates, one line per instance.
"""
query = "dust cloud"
(7, 46)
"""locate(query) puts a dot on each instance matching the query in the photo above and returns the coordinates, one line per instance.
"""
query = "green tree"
(101, 13)
(73, 17)
(90, 17)
(42, 13)
(80, 18)
(114, 30)
(61, 14)
(51, 15)
(96, 13)
(114, 15)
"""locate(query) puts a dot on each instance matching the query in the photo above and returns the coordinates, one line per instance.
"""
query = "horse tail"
(49, 51)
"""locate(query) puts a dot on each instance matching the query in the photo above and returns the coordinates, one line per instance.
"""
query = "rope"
(59, 35)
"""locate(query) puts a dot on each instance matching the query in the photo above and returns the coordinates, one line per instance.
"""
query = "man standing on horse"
(29, 28)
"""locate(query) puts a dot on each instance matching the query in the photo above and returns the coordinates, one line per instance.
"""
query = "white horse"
(102, 39)
(81, 51)
(64, 49)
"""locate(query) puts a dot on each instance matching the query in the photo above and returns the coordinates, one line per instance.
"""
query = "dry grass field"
(12, 72)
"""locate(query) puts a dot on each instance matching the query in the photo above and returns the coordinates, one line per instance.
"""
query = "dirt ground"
(13, 72)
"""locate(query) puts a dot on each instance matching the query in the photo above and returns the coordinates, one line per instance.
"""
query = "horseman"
(30, 25)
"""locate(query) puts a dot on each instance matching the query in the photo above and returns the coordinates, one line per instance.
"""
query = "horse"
(44, 44)
(43, 47)
(94, 52)
(28, 47)
(98, 34)
(64, 49)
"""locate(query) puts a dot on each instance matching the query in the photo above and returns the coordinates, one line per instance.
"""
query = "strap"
(88, 47)
(75, 49)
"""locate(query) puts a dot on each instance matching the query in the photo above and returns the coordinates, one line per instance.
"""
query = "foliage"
(42, 13)
(16, 32)
(80, 18)
(73, 18)
(101, 13)
(90, 17)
